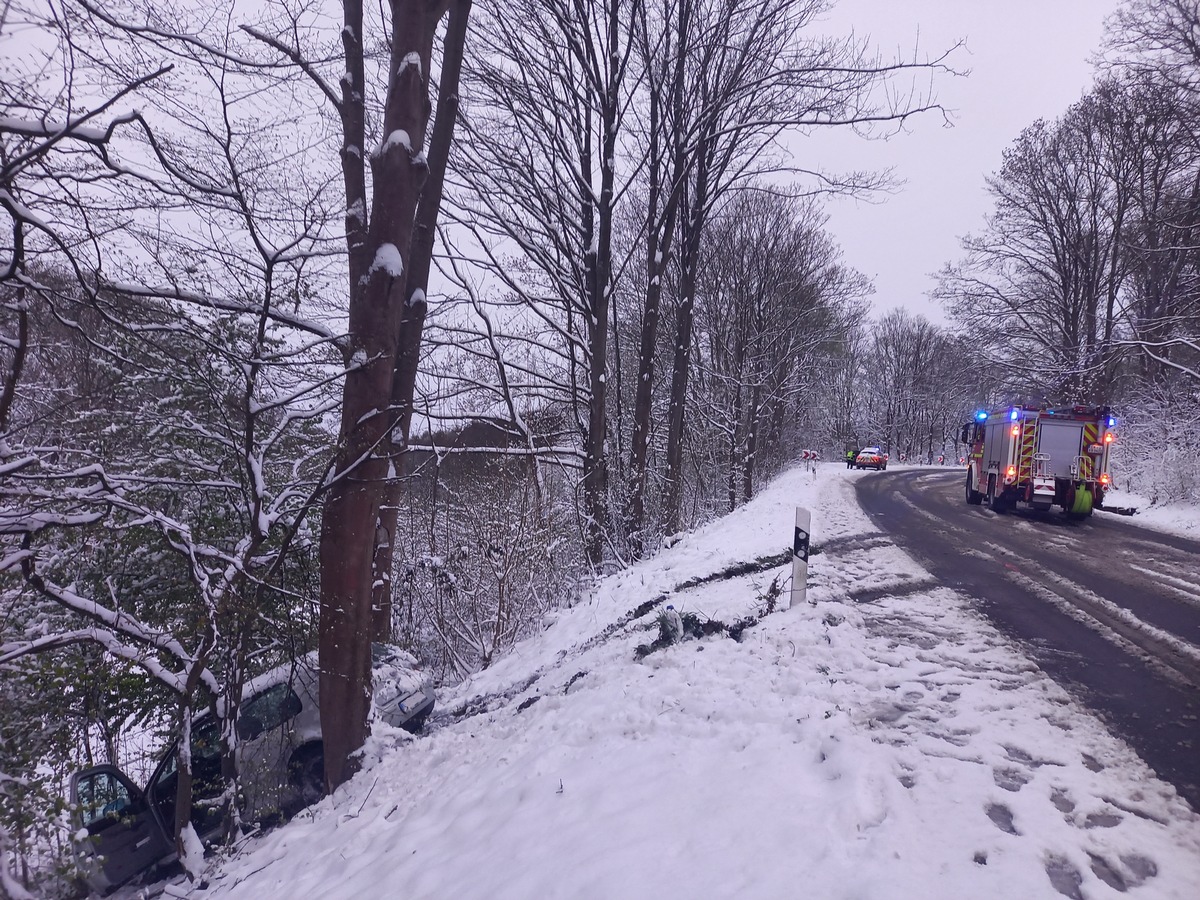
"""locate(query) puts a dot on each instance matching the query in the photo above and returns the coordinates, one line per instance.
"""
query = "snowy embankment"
(1176, 518)
(897, 748)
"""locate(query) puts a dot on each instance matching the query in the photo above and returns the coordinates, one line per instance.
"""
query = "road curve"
(1108, 609)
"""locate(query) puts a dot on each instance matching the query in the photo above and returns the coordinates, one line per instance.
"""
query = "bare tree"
(691, 98)
(561, 98)
(385, 306)
(195, 327)
(1158, 39)
(772, 305)
(917, 382)
(759, 73)
(663, 37)
(1041, 283)
(1152, 50)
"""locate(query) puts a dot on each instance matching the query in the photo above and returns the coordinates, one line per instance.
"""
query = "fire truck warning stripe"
(1028, 445)
(1091, 435)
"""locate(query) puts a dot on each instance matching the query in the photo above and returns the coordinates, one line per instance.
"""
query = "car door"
(117, 836)
(207, 783)
(265, 746)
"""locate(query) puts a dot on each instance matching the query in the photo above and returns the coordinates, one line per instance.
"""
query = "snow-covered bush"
(482, 558)
(1155, 452)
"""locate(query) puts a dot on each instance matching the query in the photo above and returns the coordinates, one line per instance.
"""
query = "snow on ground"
(889, 746)
(1177, 518)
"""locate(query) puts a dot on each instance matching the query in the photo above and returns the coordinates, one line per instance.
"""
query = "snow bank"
(895, 749)
(1174, 518)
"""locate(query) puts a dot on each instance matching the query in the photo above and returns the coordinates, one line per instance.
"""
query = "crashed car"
(123, 830)
(871, 458)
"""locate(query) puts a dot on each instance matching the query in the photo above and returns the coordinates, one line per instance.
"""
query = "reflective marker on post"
(800, 556)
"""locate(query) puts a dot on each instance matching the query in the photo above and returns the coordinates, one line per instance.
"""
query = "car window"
(99, 795)
(206, 744)
(267, 711)
(206, 740)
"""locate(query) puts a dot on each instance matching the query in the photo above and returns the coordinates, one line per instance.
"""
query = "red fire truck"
(1039, 457)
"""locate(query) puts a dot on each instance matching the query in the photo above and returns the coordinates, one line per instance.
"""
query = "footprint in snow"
(1106, 873)
(1133, 870)
(1010, 779)
(1001, 817)
(1017, 755)
(1102, 820)
(1139, 869)
(1065, 878)
(959, 737)
(1061, 801)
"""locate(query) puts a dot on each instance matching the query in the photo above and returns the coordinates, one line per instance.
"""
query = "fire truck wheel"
(974, 497)
(996, 500)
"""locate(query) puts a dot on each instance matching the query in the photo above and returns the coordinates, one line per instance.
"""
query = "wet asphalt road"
(1108, 609)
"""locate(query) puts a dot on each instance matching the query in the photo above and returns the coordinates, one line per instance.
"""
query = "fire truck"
(1038, 457)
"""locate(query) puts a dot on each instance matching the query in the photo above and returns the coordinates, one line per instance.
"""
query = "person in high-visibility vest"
(851, 455)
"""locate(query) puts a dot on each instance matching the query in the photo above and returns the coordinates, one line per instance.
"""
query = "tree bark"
(412, 319)
(681, 360)
(598, 265)
(351, 518)
(658, 246)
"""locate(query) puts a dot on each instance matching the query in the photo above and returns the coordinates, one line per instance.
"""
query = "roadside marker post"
(800, 557)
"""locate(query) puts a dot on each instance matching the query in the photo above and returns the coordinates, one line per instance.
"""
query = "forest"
(323, 323)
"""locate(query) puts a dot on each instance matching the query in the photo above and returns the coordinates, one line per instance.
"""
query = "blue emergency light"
(1012, 416)
(981, 416)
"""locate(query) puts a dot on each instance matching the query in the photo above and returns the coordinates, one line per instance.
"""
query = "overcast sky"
(1029, 59)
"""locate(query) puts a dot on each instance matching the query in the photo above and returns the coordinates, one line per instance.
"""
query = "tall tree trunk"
(658, 245)
(350, 521)
(596, 331)
(183, 753)
(635, 509)
(412, 318)
(737, 368)
(752, 443)
(681, 359)
(599, 287)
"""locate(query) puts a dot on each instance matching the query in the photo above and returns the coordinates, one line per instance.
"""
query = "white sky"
(895, 749)
(1029, 59)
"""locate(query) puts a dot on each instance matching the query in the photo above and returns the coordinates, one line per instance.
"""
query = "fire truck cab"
(1039, 457)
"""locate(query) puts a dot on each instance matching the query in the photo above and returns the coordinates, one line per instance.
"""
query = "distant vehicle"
(123, 830)
(871, 458)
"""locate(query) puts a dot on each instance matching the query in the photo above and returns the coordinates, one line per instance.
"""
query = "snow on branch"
(77, 129)
(117, 627)
(171, 292)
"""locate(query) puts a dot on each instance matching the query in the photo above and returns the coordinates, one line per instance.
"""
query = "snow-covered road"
(1104, 606)
(897, 749)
